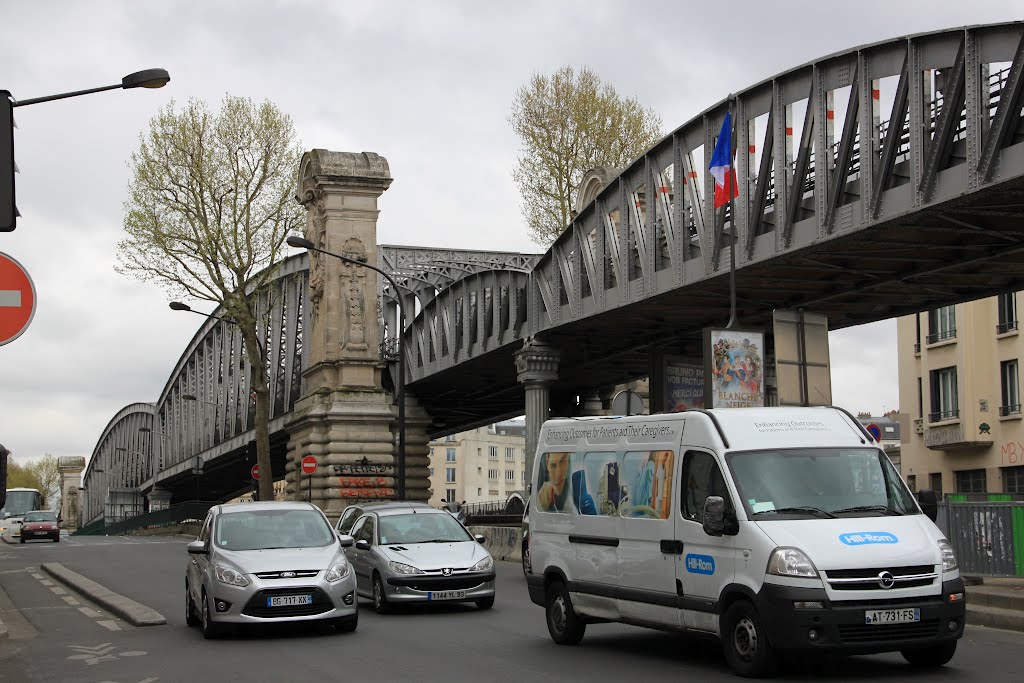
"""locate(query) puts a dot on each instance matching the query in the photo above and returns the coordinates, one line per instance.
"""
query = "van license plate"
(907, 615)
(289, 600)
(446, 595)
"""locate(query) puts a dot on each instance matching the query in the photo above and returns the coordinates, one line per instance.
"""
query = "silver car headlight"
(483, 565)
(791, 562)
(337, 572)
(399, 568)
(230, 576)
(948, 556)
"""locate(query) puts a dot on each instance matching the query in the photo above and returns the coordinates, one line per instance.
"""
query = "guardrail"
(988, 537)
(193, 510)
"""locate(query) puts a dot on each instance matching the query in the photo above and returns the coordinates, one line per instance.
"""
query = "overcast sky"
(428, 85)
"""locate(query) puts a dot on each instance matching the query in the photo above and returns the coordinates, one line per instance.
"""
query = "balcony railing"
(1008, 326)
(936, 337)
(917, 347)
(1012, 409)
(943, 415)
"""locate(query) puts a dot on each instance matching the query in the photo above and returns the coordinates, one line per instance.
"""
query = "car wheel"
(745, 642)
(190, 608)
(380, 599)
(564, 625)
(526, 557)
(22, 539)
(930, 657)
(56, 539)
(210, 629)
(346, 624)
(485, 603)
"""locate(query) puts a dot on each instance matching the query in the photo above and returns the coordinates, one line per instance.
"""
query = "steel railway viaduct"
(874, 182)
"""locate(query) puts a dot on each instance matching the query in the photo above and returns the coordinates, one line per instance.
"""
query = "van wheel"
(745, 642)
(564, 625)
(930, 657)
(526, 557)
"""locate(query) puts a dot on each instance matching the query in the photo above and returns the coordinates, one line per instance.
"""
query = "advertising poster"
(684, 386)
(735, 362)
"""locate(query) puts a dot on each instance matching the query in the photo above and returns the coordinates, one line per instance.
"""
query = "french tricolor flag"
(721, 165)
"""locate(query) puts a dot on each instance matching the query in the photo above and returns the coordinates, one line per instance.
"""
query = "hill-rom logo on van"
(868, 537)
(700, 564)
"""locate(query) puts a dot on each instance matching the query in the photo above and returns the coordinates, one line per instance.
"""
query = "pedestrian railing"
(988, 537)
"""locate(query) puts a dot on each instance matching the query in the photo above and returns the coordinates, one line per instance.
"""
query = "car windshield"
(40, 517)
(819, 482)
(422, 527)
(267, 529)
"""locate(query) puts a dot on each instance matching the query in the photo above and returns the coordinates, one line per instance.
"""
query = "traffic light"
(8, 211)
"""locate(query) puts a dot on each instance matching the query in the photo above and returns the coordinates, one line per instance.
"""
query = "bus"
(19, 501)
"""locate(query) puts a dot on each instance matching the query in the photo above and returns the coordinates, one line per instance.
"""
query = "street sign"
(308, 465)
(875, 432)
(17, 299)
(255, 472)
(197, 465)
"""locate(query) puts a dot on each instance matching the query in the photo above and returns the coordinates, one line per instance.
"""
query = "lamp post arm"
(61, 96)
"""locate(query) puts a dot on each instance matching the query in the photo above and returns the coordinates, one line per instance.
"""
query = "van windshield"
(819, 482)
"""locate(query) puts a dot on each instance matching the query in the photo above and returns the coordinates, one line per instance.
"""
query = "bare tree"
(569, 123)
(210, 205)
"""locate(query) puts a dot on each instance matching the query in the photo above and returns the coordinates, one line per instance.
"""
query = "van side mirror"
(529, 489)
(346, 540)
(929, 503)
(480, 539)
(362, 544)
(198, 548)
(714, 515)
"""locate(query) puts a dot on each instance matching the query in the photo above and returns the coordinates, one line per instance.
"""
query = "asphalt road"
(57, 636)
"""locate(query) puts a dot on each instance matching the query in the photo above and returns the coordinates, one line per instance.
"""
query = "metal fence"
(988, 537)
(192, 511)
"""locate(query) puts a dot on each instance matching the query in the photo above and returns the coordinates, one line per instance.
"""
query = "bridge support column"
(536, 368)
(71, 468)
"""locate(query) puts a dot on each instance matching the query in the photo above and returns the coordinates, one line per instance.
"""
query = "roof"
(267, 505)
(415, 509)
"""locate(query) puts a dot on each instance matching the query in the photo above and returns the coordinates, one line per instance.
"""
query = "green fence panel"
(1018, 538)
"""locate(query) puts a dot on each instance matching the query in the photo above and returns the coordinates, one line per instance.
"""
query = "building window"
(941, 324)
(450, 455)
(492, 474)
(943, 389)
(912, 482)
(935, 483)
(920, 399)
(510, 476)
(449, 496)
(492, 452)
(479, 492)
(970, 481)
(1011, 388)
(510, 454)
(1007, 312)
(917, 339)
(450, 438)
(449, 475)
(1013, 479)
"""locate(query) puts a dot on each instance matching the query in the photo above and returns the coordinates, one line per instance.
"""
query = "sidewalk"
(997, 603)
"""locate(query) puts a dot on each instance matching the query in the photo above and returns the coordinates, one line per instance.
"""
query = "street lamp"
(150, 78)
(302, 243)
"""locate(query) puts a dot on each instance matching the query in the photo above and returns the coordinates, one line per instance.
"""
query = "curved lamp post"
(302, 243)
(150, 78)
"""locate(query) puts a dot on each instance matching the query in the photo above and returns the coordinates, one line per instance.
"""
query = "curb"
(3, 630)
(126, 608)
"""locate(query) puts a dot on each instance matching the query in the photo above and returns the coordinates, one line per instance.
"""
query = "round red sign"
(255, 472)
(17, 299)
(308, 465)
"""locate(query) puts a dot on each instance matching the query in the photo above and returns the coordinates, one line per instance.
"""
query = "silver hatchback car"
(256, 563)
(406, 555)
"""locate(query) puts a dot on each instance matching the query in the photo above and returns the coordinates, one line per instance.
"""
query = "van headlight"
(337, 572)
(948, 556)
(399, 568)
(230, 576)
(791, 562)
(484, 565)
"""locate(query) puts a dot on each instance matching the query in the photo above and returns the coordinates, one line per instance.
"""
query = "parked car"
(353, 512)
(406, 555)
(40, 524)
(256, 563)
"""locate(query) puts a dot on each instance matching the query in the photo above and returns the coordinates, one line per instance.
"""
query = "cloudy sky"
(428, 85)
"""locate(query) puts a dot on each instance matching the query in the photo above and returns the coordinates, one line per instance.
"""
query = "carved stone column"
(345, 419)
(536, 368)
(71, 468)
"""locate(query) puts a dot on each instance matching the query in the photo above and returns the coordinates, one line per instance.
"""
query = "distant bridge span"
(874, 182)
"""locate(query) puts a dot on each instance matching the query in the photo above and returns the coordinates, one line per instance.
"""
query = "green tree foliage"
(569, 123)
(210, 205)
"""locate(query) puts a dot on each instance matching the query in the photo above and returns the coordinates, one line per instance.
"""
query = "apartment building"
(959, 384)
(479, 465)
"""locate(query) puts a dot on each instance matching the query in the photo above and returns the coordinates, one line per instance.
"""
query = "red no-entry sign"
(255, 471)
(17, 299)
(308, 465)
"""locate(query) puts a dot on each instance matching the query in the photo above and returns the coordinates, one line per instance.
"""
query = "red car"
(40, 524)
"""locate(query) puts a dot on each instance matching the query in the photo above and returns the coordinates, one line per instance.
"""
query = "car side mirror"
(346, 540)
(714, 515)
(198, 548)
(529, 488)
(480, 539)
(929, 502)
(362, 544)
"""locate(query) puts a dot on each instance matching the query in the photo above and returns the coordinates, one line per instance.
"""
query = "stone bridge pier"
(345, 419)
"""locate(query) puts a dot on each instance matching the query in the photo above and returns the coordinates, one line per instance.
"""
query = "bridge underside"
(963, 250)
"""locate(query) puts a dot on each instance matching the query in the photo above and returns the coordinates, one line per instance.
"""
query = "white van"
(777, 529)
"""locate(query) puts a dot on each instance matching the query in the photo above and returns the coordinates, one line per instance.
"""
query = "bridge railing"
(192, 511)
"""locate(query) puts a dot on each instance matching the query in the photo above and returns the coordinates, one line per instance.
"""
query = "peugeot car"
(257, 563)
(404, 555)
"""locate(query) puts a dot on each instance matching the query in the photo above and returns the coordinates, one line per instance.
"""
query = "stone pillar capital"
(537, 363)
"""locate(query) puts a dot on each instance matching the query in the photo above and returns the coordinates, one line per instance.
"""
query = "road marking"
(70, 600)
(144, 680)
(88, 612)
(58, 590)
(46, 582)
(109, 624)
(102, 653)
